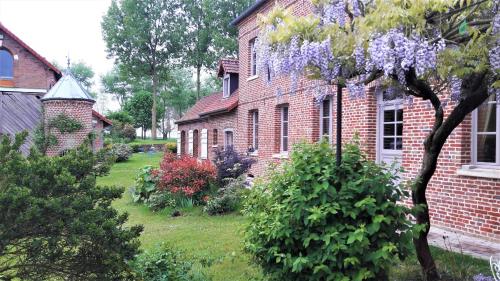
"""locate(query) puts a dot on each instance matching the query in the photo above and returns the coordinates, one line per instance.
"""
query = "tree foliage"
(117, 84)
(139, 107)
(144, 37)
(55, 223)
(446, 52)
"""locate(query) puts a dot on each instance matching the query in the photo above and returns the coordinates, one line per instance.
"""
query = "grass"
(150, 141)
(217, 241)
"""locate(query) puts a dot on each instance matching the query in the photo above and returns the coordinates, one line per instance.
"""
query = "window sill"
(252, 77)
(254, 153)
(479, 172)
(282, 155)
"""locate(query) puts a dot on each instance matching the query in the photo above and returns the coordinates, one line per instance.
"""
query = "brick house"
(464, 194)
(26, 79)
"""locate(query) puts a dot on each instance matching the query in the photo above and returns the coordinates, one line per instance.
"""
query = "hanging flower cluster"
(393, 52)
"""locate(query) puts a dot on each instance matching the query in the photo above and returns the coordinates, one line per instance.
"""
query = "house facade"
(26, 81)
(464, 194)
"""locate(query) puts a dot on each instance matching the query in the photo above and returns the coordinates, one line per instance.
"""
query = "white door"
(390, 130)
(204, 144)
(190, 142)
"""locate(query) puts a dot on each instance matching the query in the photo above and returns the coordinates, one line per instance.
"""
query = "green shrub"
(161, 200)
(165, 264)
(171, 147)
(228, 198)
(121, 151)
(314, 221)
(144, 185)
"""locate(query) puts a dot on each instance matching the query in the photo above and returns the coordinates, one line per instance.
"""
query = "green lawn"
(150, 141)
(217, 241)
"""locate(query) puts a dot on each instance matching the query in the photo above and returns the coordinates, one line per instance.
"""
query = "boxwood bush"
(314, 221)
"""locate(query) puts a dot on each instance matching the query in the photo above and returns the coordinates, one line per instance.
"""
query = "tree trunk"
(198, 81)
(153, 110)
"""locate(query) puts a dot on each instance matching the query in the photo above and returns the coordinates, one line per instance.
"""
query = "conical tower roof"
(68, 88)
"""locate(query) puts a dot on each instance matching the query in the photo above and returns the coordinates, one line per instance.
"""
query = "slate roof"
(35, 54)
(209, 106)
(68, 88)
(228, 66)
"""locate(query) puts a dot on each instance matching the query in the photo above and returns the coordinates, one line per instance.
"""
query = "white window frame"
(204, 144)
(330, 118)
(190, 142)
(475, 133)
(226, 86)
(255, 130)
(253, 58)
(225, 136)
(282, 136)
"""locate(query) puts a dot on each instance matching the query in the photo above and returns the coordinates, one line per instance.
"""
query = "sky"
(58, 28)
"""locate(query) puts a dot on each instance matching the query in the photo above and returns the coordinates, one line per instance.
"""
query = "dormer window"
(226, 86)
(6, 65)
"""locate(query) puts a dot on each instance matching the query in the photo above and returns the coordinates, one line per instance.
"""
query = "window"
(486, 133)
(226, 86)
(253, 57)
(325, 121)
(228, 137)
(284, 129)
(392, 129)
(215, 136)
(6, 65)
(255, 130)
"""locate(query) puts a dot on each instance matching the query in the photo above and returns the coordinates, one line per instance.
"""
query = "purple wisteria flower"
(455, 88)
(481, 277)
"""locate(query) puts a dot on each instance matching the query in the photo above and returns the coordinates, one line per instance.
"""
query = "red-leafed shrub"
(185, 176)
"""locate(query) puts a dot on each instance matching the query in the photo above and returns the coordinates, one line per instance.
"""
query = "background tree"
(445, 52)
(83, 72)
(138, 106)
(180, 93)
(210, 35)
(56, 224)
(144, 37)
(116, 84)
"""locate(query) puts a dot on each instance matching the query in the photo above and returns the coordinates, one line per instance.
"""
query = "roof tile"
(210, 105)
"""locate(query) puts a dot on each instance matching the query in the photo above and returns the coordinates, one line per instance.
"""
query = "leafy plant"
(316, 221)
(185, 176)
(121, 151)
(227, 200)
(145, 185)
(42, 139)
(166, 264)
(55, 223)
(65, 124)
(230, 164)
(161, 200)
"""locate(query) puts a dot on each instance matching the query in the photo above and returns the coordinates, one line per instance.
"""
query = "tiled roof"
(35, 54)
(227, 66)
(102, 118)
(210, 105)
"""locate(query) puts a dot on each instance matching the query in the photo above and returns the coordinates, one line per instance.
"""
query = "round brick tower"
(67, 100)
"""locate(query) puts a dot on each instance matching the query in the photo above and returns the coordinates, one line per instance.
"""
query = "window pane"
(285, 144)
(486, 148)
(399, 143)
(399, 115)
(326, 127)
(6, 64)
(285, 129)
(388, 143)
(285, 113)
(388, 129)
(486, 118)
(389, 116)
(399, 131)
(326, 108)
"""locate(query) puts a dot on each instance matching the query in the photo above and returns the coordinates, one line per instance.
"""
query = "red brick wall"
(29, 72)
(219, 122)
(462, 203)
(78, 110)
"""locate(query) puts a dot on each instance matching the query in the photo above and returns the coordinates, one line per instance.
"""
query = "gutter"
(248, 12)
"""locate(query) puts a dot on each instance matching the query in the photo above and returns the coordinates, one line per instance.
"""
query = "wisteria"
(393, 53)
